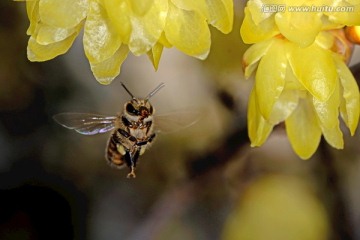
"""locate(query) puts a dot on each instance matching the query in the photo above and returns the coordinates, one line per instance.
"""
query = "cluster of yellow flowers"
(301, 76)
(298, 55)
(112, 28)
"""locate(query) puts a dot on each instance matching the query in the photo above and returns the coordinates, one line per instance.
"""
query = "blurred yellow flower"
(112, 28)
(299, 21)
(276, 207)
(305, 87)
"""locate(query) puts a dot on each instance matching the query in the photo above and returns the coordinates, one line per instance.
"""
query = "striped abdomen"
(112, 155)
(122, 148)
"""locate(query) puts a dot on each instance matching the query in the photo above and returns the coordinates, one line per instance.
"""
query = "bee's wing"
(86, 123)
(175, 121)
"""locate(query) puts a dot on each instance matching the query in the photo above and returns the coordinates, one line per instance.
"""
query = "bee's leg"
(148, 140)
(132, 164)
(131, 174)
(148, 125)
(128, 158)
(151, 138)
(127, 135)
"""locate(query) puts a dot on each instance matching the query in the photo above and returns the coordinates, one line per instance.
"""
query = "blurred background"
(202, 182)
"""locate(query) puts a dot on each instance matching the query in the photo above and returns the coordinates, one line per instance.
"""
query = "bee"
(132, 130)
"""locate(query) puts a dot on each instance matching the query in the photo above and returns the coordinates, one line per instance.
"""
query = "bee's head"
(140, 107)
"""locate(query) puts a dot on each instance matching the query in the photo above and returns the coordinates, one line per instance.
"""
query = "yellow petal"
(292, 83)
(118, 12)
(188, 32)
(101, 41)
(107, 70)
(47, 34)
(163, 41)
(155, 54)
(349, 108)
(64, 13)
(221, 14)
(258, 128)
(329, 25)
(303, 129)
(255, 9)
(270, 77)
(284, 106)
(252, 33)
(353, 2)
(263, 9)
(334, 136)
(299, 27)
(253, 54)
(38, 53)
(147, 29)
(346, 14)
(32, 9)
(325, 40)
(315, 69)
(140, 7)
(328, 111)
(328, 115)
(191, 5)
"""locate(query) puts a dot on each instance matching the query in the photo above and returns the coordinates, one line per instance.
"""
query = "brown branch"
(356, 72)
(340, 221)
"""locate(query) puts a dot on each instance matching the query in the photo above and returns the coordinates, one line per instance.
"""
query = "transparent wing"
(175, 121)
(86, 123)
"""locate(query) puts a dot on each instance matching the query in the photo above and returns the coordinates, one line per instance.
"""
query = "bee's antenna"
(127, 90)
(152, 93)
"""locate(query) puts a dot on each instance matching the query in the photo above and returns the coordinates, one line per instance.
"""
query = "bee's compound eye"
(151, 110)
(131, 110)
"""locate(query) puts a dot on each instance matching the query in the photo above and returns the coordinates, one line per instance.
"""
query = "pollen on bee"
(142, 150)
(117, 161)
(121, 149)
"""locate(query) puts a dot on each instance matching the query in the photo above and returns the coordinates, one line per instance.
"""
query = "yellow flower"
(112, 28)
(301, 77)
(305, 87)
(299, 21)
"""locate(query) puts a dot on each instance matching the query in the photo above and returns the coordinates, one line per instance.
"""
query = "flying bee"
(132, 130)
